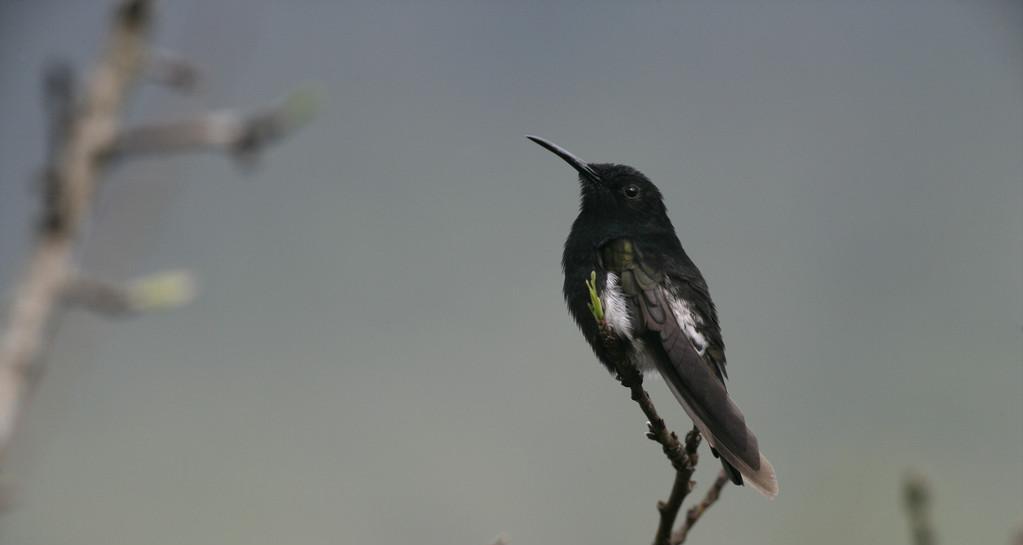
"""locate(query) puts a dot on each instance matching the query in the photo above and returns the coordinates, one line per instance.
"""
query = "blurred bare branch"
(240, 134)
(83, 133)
(59, 104)
(70, 182)
(172, 70)
(101, 297)
(917, 499)
(160, 291)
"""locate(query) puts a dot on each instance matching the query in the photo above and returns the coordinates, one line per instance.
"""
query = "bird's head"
(614, 194)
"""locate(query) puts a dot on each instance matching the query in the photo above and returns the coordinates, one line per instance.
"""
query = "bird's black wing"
(660, 322)
(684, 282)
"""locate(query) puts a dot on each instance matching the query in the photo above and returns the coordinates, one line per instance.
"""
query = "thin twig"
(681, 488)
(98, 296)
(697, 511)
(159, 291)
(243, 135)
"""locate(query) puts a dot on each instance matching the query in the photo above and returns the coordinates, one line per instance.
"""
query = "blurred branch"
(82, 136)
(682, 458)
(70, 181)
(917, 499)
(160, 291)
(172, 70)
(240, 134)
(59, 104)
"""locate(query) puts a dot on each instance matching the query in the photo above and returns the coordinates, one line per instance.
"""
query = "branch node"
(135, 14)
(173, 70)
(694, 513)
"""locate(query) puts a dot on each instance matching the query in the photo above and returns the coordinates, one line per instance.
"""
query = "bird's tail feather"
(733, 474)
(723, 425)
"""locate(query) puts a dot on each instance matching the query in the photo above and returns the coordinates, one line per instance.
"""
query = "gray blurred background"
(380, 353)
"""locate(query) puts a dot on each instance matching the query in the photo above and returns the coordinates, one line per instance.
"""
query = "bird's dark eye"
(631, 191)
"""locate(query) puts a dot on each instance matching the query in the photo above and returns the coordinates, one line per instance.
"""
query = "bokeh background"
(380, 353)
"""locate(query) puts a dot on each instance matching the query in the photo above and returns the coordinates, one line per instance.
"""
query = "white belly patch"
(616, 310)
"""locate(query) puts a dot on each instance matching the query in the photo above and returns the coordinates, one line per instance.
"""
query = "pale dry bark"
(85, 136)
(71, 182)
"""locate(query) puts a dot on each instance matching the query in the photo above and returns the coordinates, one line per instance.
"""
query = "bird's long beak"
(585, 170)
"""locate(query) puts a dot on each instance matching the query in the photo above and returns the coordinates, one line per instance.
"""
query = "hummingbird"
(656, 303)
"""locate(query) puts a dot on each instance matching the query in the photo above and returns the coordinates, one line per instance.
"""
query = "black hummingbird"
(657, 303)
